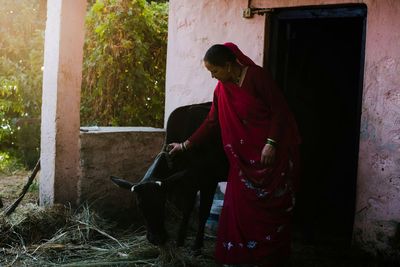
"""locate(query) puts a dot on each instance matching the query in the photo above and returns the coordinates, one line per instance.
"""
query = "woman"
(261, 140)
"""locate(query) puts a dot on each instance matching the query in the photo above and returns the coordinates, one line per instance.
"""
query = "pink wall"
(194, 25)
(378, 183)
(378, 189)
(192, 28)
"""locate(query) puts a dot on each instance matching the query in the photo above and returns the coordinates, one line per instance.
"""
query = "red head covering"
(242, 58)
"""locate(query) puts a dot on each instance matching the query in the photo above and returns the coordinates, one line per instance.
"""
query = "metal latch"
(247, 13)
(250, 11)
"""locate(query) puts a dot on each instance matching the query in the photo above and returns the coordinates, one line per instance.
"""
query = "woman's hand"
(174, 148)
(268, 155)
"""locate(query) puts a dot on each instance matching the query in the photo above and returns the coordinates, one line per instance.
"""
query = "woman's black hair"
(219, 55)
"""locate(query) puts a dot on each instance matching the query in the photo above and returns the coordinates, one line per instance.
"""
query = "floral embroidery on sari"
(260, 193)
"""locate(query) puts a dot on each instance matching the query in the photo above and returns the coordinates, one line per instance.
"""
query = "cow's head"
(151, 198)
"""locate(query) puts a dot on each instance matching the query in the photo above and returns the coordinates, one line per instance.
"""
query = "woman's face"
(222, 74)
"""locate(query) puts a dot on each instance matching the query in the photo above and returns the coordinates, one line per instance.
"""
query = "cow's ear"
(121, 182)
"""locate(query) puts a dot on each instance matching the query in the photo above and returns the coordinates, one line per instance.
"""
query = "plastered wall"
(125, 152)
(63, 53)
(195, 25)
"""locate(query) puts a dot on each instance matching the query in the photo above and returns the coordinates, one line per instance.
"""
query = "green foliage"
(21, 59)
(34, 186)
(8, 164)
(124, 63)
(123, 79)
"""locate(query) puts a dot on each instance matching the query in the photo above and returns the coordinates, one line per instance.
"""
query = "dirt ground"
(327, 252)
(11, 186)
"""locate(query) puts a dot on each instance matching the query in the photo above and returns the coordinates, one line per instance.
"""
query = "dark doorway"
(316, 55)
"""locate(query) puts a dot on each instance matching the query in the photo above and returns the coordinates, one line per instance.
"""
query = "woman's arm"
(270, 94)
(272, 97)
(209, 128)
(206, 131)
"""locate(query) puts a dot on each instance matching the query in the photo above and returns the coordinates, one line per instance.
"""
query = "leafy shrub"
(8, 164)
(124, 63)
(21, 59)
(123, 79)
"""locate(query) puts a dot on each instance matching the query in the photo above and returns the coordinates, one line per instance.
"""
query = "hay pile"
(37, 236)
(31, 224)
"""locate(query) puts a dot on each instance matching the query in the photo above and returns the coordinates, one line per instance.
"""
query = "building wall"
(378, 189)
(126, 152)
(197, 24)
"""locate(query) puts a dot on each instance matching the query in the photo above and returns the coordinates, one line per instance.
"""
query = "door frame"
(276, 17)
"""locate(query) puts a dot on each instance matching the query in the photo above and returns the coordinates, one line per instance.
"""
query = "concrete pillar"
(62, 77)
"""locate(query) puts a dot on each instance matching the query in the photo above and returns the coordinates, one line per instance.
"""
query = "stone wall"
(126, 152)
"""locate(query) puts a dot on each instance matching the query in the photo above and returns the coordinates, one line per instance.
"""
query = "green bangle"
(271, 142)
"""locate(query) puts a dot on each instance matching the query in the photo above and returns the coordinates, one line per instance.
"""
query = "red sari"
(255, 222)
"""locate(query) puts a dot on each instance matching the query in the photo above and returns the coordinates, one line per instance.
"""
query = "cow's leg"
(206, 200)
(190, 198)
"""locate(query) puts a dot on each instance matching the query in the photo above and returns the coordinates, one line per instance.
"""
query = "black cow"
(180, 177)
